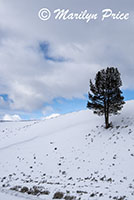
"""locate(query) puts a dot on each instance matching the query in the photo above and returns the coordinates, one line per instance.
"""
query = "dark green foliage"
(105, 96)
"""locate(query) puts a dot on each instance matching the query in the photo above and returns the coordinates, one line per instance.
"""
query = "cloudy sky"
(45, 66)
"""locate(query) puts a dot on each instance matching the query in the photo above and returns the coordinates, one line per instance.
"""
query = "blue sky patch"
(44, 48)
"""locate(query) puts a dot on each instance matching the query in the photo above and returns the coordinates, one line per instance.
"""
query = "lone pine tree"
(105, 96)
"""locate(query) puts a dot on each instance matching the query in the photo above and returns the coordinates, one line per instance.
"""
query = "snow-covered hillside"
(69, 157)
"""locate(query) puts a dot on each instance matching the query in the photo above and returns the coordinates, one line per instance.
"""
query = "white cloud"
(3, 104)
(30, 80)
(8, 117)
(47, 110)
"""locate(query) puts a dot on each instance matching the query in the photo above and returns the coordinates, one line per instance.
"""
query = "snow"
(71, 153)
(10, 195)
(7, 197)
(52, 116)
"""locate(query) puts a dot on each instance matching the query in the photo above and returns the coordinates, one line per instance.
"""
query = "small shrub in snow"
(67, 197)
(15, 188)
(58, 195)
(46, 192)
(24, 189)
(92, 195)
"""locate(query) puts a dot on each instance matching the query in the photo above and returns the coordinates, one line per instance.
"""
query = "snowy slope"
(72, 153)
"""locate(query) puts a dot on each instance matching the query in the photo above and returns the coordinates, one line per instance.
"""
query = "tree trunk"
(107, 125)
(106, 120)
(106, 111)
